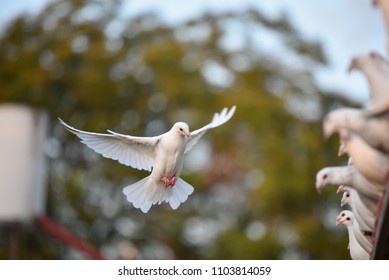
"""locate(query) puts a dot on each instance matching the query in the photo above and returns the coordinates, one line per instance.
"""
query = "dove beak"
(342, 149)
(340, 189)
(187, 134)
(319, 186)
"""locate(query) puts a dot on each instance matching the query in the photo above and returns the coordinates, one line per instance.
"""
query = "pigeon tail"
(179, 193)
(145, 193)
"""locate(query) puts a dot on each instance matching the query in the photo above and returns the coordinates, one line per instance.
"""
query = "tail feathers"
(137, 195)
(179, 193)
(143, 194)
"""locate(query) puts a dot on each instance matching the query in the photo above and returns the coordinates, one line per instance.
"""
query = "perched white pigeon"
(360, 246)
(362, 210)
(368, 203)
(349, 176)
(371, 163)
(371, 128)
(163, 155)
(376, 70)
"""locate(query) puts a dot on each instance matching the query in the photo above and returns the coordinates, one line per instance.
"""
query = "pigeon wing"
(218, 119)
(137, 152)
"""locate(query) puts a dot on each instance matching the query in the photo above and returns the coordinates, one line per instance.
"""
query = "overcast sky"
(345, 27)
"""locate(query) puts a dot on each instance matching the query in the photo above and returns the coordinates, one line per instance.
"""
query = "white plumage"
(362, 208)
(349, 176)
(163, 155)
(376, 70)
(371, 163)
(371, 128)
(359, 245)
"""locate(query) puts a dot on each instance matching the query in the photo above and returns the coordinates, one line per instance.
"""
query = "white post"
(22, 163)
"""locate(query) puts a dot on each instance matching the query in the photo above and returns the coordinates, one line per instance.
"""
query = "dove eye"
(343, 214)
(348, 195)
(348, 219)
(325, 176)
(181, 129)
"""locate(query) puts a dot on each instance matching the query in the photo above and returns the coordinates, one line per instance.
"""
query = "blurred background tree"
(254, 177)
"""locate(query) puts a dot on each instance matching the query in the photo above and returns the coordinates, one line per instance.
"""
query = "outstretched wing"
(218, 119)
(137, 152)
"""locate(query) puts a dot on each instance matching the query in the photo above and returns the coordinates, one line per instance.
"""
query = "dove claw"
(165, 181)
(168, 183)
(173, 181)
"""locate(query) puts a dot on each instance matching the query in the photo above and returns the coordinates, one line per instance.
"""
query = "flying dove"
(163, 155)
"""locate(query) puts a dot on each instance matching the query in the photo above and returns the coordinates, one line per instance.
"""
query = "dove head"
(345, 217)
(364, 62)
(360, 61)
(323, 177)
(341, 118)
(182, 129)
(330, 124)
(345, 199)
(375, 56)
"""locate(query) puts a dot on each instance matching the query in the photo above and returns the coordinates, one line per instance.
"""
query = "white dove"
(363, 210)
(376, 70)
(371, 163)
(360, 246)
(367, 202)
(350, 176)
(163, 155)
(371, 128)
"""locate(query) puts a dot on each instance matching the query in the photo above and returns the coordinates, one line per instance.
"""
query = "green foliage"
(142, 78)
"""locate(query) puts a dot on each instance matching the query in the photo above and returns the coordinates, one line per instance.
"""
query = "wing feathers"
(137, 152)
(217, 120)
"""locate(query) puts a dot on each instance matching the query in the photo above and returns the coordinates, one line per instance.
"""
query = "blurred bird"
(376, 70)
(371, 128)
(360, 246)
(163, 155)
(342, 149)
(371, 163)
(384, 5)
(349, 176)
(363, 209)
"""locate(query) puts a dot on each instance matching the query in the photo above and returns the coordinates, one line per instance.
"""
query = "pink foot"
(168, 183)
(173, 181)
(165, 181)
